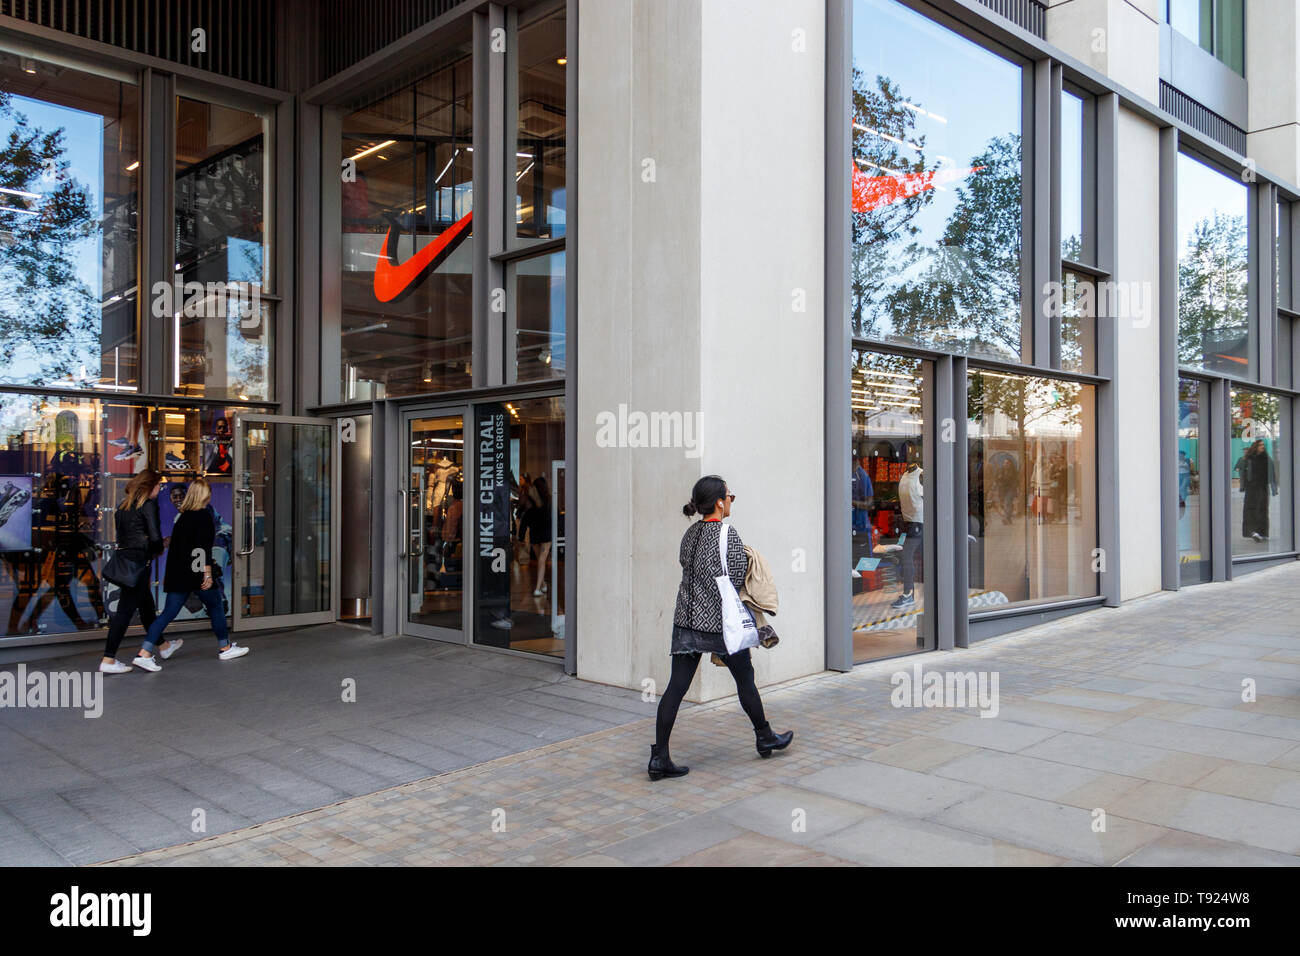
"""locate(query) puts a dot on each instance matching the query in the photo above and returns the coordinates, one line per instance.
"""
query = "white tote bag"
(738, 630)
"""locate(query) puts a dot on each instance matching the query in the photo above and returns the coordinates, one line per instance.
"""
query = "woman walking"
(537, 521)
(697, 624)
(189, 571)
(139, 540)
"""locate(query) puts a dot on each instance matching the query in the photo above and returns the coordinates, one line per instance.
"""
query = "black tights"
(742, 670)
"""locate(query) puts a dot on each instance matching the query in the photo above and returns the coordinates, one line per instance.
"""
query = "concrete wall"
(1120, 38)
(685, 304)
(1138, 374)
(1273, 134)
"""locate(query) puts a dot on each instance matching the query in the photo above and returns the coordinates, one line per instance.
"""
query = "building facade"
(984, 310)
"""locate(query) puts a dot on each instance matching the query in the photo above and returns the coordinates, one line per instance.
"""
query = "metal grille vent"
(238, 34)
(1030, 15)
(1186, 109)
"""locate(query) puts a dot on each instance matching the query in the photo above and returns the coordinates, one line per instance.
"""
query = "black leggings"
(742, 671)
(129, 600)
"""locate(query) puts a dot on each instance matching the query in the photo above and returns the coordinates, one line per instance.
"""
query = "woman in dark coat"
(1258, 481)
(189, 571)
(138, 541)
(697, 624)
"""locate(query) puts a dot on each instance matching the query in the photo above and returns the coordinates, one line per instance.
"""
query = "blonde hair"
(197, 496)
(139, 488)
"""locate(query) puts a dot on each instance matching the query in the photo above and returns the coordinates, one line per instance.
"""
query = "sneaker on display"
(503, 623)
(120, 442)
(115, 667)
(176, 462)
(131, 451)
(147, 664)
(231, 652)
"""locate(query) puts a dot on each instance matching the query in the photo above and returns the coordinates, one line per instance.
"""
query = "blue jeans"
(211, 599)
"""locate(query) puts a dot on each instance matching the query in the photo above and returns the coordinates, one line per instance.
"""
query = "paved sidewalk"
(269, 735)
(1135, 711)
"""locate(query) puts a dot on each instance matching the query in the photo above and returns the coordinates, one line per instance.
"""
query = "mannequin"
(911, 496)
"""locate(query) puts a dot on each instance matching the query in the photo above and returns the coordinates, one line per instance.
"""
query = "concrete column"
(700, 295)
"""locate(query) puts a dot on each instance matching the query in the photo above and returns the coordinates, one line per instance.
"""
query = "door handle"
(405, 523)
(248, 521)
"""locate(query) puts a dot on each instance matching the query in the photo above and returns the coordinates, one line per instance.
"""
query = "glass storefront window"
(1078, 322)
(539, 123)
(407, 247)
(889, 484)
(519, 502)
(1032, 484)
(1194, 564)
(1214, 328)
(1072, 173)
(69, 151)
(539, 291)
(936, 220)
(64, 463)
(1260, 453)
(221, 326)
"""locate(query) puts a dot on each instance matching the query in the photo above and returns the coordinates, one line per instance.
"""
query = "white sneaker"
(231, 652)
(117, 667)
(147, 664)
(172, 648)
(539, 594)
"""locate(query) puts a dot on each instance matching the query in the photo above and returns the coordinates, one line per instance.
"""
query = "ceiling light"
(561, 61)
(373, 149)
(19, 192)
(29, 65)
(133, 167)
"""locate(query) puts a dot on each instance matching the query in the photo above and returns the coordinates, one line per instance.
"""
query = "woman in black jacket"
(189, 571)
(138, 542)
(697, 624)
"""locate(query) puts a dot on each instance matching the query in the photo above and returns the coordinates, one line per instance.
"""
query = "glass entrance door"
(432, 540)
(285, 567)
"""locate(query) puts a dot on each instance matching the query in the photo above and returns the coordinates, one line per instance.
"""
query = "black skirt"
(688, 641)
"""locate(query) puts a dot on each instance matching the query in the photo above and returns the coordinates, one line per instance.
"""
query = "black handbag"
(124, 570)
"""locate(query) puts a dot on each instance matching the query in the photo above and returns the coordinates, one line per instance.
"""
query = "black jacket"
(138, 531)
(193, 532)
(699, 606)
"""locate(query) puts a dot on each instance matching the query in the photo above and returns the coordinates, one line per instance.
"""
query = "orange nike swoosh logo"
(394, 278)
(872, 192)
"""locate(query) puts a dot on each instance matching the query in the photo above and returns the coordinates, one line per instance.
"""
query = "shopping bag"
(738, 628)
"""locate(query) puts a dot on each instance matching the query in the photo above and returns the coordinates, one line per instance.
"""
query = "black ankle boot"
(661, 765)
(766, 740)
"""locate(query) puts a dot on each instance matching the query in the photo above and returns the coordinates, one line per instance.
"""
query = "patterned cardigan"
(698, 604)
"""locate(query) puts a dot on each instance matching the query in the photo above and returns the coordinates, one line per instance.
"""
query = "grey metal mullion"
(1168, 387)
(307, 385)
(509, 142)
(571, 490)
(1107, 393)
(284, 324)
(1220, 492)
(1030, 304)
(1263, 287)
(499, 353)
(1286, 427)
(961, 493)
(325, 261)
(157, 221)
(1053, 219)
(939, 524)
(838, 545)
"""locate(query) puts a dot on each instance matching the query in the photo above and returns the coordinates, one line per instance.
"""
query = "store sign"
(493, 491)
(394, 279)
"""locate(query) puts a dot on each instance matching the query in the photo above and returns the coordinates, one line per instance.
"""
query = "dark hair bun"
(688, 509)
